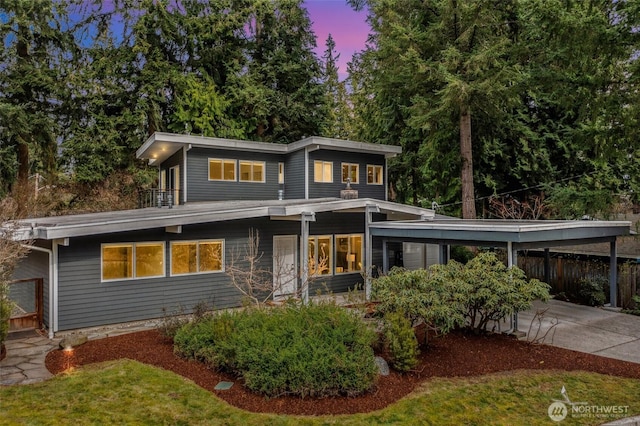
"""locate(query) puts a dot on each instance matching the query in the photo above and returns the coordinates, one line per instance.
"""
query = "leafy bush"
(495, 291)
(434, 296)
(312, 350)
(400, 341)
(635, 309)
(592, 290)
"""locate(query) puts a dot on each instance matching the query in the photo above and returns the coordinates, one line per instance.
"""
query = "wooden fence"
(566, 273)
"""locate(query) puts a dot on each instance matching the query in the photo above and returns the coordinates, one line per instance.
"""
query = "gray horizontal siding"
(84, 301)
(36, 265)
(320, 190)
(201, 189)
(294, 175)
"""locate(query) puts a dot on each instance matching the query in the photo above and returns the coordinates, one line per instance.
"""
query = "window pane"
(345, 172)
(245, 171)
(324, 255)
(355, 256)
(353, 173)
(342, 250)
(183, 258)
(280, 172)
(117, 262)
(328, 172)
(149, 260)
(229, 170)
(317, 171)
(257, 172)
(215, 169)
(210, 256)
(312, 255)
(378, 175)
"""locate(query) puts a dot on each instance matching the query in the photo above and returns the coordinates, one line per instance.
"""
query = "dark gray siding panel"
(84, 301)
(320, 190)
(201, 189)
(294, 175)
(36, 265)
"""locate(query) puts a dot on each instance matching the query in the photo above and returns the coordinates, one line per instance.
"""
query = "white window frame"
(349, 250)
(375, 167)
(252, 163)
(349, 166)
(280, 173)
(197, 242)
(223, 160)
(133, 260)
(324, 164)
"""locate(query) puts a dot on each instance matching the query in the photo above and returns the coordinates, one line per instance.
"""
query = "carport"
(511, 235)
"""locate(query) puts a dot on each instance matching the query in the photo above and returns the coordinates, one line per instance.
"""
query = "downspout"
(52, 276)
(306, 172)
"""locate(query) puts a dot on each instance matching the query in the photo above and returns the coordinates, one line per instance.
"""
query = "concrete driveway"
(583, 328)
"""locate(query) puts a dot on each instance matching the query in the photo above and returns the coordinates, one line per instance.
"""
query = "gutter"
(52, 281)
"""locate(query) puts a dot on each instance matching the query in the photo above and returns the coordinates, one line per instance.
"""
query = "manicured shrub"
(495, 291)
(400, 342)
(432, 296)
(312, 350)
(592, 290)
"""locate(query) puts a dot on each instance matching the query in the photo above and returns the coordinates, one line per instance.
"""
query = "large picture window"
(350, 171)
(194, 257)
(125, 261)
(222, 169)
(251, 171)
(348, 253)
(323, 171)
(374, 175)
(320, 255)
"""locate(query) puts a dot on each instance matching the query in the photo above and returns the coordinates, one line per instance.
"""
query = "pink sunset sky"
(348, 28)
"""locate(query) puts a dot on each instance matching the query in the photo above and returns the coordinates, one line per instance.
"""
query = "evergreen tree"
(339, 116)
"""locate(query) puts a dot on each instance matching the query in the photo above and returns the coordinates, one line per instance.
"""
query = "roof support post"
(305, 218)
(547, 266)
(613, 274)
(385, 256)
(368, 252)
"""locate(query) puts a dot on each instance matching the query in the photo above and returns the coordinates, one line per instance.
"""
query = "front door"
(285, 269)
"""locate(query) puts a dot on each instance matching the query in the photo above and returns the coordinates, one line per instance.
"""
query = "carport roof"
(499, 233)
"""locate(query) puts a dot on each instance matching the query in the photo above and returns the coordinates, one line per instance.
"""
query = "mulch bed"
(455, 355)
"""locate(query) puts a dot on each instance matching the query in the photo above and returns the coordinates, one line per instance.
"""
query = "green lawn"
(128, 392)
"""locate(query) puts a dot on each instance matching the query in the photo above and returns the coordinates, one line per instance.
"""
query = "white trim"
(222, 160)
(374, 173)
(386, 179)
(306, 173)
(197, 242)
(349, 165)
(252, 163)
(184, 172)
(53, 297)
(133, 260)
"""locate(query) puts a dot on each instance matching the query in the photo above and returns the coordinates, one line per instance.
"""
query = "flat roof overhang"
(499, 233)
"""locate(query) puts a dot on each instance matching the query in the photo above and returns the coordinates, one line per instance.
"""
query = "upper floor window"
(280, 173)
(192, 257)
(374, 175)
(350, 171)
(323, 171)
(124, 261)
(251, 171)
(222, 169)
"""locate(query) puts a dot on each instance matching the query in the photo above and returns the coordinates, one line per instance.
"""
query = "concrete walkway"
(585, 329)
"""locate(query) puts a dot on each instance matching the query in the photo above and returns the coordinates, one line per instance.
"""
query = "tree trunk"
(466, 154)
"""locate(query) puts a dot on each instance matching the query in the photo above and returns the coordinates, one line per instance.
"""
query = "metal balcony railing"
(159, 198)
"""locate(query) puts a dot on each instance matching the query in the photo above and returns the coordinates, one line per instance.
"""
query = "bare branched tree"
(258, 283)
(507, 207)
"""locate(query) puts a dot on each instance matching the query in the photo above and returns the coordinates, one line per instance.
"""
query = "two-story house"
(319, 207)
